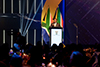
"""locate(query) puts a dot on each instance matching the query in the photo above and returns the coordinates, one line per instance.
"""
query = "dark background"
(10, 21)
(86, 15)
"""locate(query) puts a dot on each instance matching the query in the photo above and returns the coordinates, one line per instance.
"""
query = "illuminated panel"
(11, 6)
(34, 37)
(3, 36)
(3, 6)
(11, 38)
(56, 36)
(27, 6)
(19, 6)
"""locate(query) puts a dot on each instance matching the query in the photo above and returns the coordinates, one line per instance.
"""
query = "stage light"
(4, 16)
(11, 6)
(29, 17)
(3, 6)
(53, 65)
(27, 6)
(50, 64)
(22, 17)
(43, 65)
(33, 19)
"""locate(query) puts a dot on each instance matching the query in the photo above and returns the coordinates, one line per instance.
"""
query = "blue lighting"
(63, 15)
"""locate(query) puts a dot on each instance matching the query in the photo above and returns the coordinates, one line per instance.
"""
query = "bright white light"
(27, 38)
(50, 64)
(43, 64)
(42, 5)
(31, 20)
(24, 54)
(3, 36)
(34, 6)
(11, 38)
(3, 6)
(53, 65)
(19, 6)
(56, 36)
(4, 16)
(11, 6)
(19, 30)
(34, 37)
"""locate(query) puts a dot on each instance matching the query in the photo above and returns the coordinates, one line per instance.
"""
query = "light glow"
(3, 36)
(33, 19)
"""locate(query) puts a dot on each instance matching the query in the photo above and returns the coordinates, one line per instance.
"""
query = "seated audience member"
(96, 55)
(20, 40)
(60, 47)
(16, 60)
(54, 47)
(45, 55)
(66, 56)
(36, 55)
(28, 48)
(4, 54)
(2, 64)
(76, 58)
(59, 55)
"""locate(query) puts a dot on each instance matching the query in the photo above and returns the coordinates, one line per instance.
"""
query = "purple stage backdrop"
(84, 14)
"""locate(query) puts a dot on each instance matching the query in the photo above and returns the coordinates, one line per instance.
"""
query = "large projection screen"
(56, 36)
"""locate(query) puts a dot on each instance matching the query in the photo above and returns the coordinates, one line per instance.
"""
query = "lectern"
(55, 35)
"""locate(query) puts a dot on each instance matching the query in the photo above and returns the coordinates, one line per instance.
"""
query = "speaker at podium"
(55, 35)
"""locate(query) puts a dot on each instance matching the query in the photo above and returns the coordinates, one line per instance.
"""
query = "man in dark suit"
(55, 24)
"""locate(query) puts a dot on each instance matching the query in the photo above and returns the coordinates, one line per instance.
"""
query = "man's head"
(55, 20)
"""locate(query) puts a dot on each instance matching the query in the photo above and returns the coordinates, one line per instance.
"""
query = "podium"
(55, 36)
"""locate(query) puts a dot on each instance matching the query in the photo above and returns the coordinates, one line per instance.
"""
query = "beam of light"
(22, 17)
(33, 18)
(90, 10)
(25, 17)
(29, 17)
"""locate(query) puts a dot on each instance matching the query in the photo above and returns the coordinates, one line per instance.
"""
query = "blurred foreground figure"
(96, 56)
(76, 57)
(20, 41)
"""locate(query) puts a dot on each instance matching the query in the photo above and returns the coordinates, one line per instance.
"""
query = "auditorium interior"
(28, 40)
